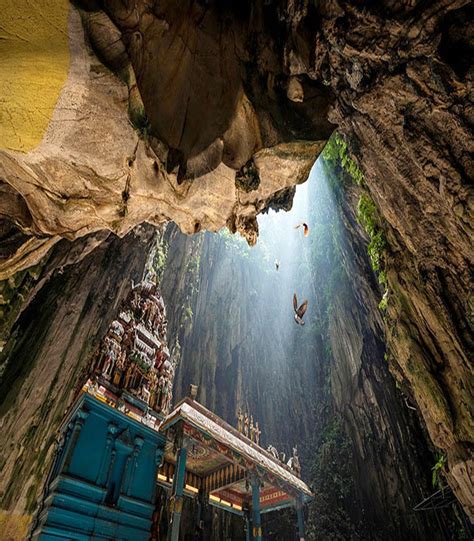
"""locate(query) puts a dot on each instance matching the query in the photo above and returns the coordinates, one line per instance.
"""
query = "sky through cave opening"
(265, 362)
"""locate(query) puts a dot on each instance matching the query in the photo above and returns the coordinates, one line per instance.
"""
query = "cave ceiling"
(150, 112)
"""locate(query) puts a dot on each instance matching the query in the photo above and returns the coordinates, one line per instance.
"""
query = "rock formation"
(64, 316)
(153, 111)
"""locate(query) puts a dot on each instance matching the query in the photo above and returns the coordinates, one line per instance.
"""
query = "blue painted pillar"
(160, 451)
(257, 524)
(177, 494)
(76, 427)
(112, 431)
(300, 517)
(132, 464)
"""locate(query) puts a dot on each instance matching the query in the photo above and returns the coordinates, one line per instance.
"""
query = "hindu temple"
(121, 440)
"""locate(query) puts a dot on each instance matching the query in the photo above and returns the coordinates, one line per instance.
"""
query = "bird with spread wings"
(299, 311)
(305, 228)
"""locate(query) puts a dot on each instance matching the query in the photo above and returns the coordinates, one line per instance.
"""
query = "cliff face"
(409, 117)
(147, 120)
(389, 454)
(241, 346)
(62, 320)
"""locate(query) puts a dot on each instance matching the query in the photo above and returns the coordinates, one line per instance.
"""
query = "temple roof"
(231, 445)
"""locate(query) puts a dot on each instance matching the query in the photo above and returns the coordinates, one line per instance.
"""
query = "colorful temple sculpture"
(134, 357)
(120, 445)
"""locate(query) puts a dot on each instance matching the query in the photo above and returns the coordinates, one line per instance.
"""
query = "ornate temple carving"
(134, 356)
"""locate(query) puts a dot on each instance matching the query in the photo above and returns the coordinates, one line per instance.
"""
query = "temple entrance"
(206, 458)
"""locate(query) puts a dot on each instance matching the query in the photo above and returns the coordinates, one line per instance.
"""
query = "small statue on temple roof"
(128, 339)
(145, 392)
(110, 356)
(246, 424)
(240, 420)
(294, 462)
(122, 362)
(117, 329)
(273, 451)
(167, 396)
(257, 434)
(252, 429)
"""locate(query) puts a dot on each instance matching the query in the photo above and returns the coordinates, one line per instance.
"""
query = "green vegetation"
(192, 287)
(336, 154)
(235, 243)
(368, 217)
(156, 263)
(437, 471)
(383, 304)
(336, 151)
(332, 474)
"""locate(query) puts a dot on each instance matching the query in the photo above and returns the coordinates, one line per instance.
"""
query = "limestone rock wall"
(62, 320)
(237, 347)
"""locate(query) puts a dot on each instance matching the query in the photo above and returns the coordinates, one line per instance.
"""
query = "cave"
(236, 270)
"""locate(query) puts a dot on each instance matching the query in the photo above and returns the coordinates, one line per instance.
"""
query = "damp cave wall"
(54, 331)
(335, 373)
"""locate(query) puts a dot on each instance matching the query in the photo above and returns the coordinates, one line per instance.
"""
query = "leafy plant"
(336, 153)
(336, 150)
(437, 471)
(369, 218)
(384, 301)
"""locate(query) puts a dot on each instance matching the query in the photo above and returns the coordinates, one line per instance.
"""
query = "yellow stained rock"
(34, 63)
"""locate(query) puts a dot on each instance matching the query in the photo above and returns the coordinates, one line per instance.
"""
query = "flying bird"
(299, 312)
(277, 264)
(305, 228)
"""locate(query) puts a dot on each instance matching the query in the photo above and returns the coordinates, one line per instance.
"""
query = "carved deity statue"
(110, 356)
(294, 462)
(240, 420)
(145, 392)
(257, 434)
(273, 451)
(117, 328)
(246, 424)
(252, 429)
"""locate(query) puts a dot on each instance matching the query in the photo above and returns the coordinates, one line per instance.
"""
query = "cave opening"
(241, 345)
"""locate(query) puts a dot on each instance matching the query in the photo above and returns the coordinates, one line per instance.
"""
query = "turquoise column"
(112, 431)
(160, 451)
(257, 525)
(132, 463)
(300, 517)
(177, 494)
(75, 427)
